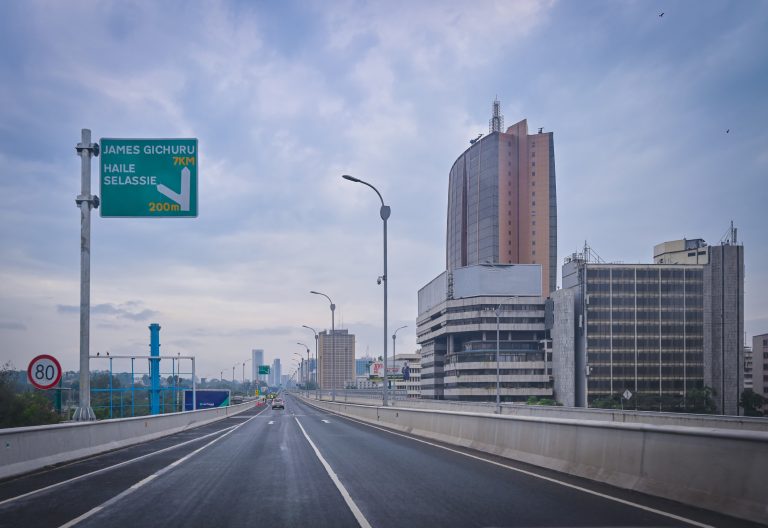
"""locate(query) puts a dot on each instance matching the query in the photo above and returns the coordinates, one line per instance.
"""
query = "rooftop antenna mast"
(497, 120)
(730, 236)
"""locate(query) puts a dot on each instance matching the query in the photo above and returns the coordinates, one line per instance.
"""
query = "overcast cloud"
(285, 97)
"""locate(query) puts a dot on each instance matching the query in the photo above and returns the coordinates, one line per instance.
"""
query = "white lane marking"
(150, 478)
(325, 421)
(109, 468)
(271, 422)
(361, 520)
(549, 479)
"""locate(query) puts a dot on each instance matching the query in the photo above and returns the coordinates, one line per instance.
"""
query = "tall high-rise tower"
(502, 205)
(257, 358)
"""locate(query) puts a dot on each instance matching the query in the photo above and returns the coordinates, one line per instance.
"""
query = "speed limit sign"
(44, 372)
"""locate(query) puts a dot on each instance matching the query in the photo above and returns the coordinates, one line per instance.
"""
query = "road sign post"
(44, 372)
(149, 177)
(85, 201)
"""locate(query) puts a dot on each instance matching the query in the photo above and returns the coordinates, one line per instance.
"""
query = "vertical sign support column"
(85, 201)
(154, 368)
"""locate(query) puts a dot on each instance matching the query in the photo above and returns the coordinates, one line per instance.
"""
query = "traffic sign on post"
(44, 372)
(149, 177)
(263, 369)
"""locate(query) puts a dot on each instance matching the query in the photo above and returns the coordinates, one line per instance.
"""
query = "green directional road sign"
(149, 177)
(263, 369)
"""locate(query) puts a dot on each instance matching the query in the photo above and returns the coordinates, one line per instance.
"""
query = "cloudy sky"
(286, 96)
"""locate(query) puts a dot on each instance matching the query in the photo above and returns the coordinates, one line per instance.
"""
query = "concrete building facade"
(502, 205)
(760, 367)
(336, 358)
(457, 330)
(658, 331)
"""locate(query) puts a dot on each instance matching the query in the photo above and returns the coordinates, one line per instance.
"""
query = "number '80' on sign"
(44, 372)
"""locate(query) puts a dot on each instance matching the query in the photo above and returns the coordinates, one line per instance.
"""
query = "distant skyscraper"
(502, 205)
(337, 359)
(257, 358)
(275, 374)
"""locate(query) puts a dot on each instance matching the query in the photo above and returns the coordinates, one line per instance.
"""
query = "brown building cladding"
(502, 205)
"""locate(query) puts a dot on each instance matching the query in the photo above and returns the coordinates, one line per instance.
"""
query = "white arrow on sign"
(181, 198)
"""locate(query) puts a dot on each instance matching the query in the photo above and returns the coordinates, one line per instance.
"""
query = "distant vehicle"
(278, 403)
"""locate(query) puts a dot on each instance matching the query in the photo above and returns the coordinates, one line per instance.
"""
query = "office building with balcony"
(502, 205)
(656, 333)
(457, 331)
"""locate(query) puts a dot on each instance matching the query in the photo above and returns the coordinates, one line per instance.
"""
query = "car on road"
(278, 403)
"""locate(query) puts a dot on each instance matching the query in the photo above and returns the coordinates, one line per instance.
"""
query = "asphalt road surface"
(305, 467)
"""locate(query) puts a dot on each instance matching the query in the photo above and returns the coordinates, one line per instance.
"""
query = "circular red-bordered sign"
(44, 372)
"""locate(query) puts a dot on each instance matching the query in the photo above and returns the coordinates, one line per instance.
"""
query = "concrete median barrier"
(24, 449)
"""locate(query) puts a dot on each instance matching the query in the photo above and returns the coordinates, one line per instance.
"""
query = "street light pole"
(333, 341)
(394, 349)
(307, 373)
(394, 336)
(244, 362)
(310, 366)
(385, 213)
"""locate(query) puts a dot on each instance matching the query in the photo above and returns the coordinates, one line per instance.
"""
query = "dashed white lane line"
(361, 520)
(325, 421)
(271, 422)
(150, 478)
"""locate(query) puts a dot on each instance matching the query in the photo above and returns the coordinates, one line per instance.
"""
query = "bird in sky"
(661, 14)
(473, 141)
(728, 131)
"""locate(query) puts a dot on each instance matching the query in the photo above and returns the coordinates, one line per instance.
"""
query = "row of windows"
(492, 371)
(643, 273)
(503, 385)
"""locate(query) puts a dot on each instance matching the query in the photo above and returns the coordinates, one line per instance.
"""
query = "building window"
(533, 233)
(533, 202)
(533, 182)
(533, 193)
(533, 222)
(533, 173)
(533, 252)
(533, 242)
(533, 164)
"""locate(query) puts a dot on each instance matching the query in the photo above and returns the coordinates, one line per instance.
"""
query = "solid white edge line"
(361, 520)
(110, 468)
(549, 479)
(150, 478)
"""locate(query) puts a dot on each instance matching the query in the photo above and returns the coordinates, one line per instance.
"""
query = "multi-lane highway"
(305, 467)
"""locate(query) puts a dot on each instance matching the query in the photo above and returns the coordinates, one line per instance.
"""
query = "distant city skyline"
(659, 126)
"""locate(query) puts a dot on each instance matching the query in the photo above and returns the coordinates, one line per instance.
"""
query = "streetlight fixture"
(316, 338)
(244, 362)
(498, 385)
(384, 212)
(307, 373)
(394, 336)
(333, 341)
